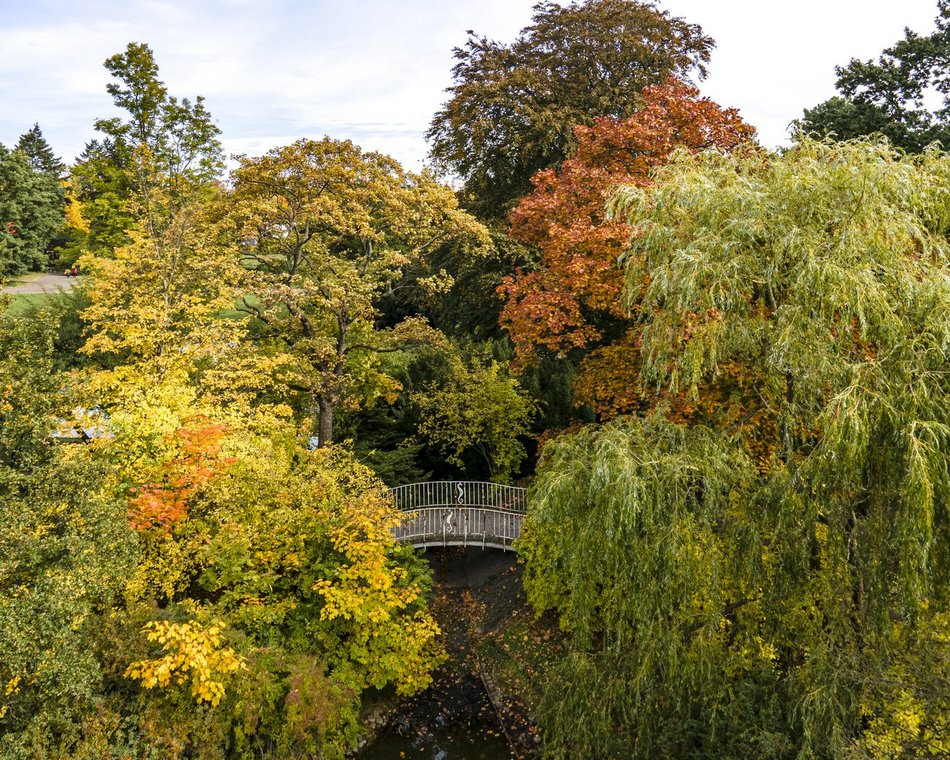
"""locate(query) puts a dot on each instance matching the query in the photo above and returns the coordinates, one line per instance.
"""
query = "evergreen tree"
(31, 212)
(33, 145)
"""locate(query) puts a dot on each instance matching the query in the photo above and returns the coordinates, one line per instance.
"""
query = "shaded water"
(454, 718)
(461, 743)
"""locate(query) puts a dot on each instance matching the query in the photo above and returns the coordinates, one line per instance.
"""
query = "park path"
(30, 284)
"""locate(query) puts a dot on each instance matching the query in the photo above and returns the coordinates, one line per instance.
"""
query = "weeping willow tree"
(726, 603)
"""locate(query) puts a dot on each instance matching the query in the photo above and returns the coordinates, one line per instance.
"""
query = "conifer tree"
(31, 212)
(33, 145)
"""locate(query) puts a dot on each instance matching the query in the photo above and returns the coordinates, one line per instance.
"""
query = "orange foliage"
(576, 293)
(197, 459)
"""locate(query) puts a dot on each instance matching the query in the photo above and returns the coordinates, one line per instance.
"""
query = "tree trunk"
(325, 428)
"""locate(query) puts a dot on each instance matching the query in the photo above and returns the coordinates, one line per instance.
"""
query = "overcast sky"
(375, 71)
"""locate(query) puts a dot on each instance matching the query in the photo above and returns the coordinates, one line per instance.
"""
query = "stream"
(454, 718)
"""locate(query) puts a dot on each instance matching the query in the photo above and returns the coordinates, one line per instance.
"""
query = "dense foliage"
(748, 554)
(181, 576)
(894, 95)
(513, 107)
(326, 232)
(570, 303)
(32, 204)
(792, 604)
(474, 406)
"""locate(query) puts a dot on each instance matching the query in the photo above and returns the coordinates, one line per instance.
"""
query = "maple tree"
(192, 653)
(290, 551)
(197, 459)
(327, 231)
(573, 300)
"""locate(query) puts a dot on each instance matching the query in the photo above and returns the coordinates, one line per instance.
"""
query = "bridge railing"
(460, 526)
(451, 493)
(459, 513)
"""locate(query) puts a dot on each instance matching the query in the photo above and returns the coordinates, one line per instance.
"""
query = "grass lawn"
(20, 304)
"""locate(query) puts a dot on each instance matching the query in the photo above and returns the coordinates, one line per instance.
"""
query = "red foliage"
(197, 460)
(578, 282)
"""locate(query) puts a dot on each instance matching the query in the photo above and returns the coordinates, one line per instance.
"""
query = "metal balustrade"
(459, 513)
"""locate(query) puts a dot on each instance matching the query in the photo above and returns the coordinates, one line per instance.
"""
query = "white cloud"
(276, 70)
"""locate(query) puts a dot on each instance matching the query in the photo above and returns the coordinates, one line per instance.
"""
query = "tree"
(475, 406)
(792, 607)
(31, 212)
(157, 303)
(281, 594)
(327, 231)
(268, 594)
(513, 108)
(33, 145)
(150, 165)
(66, 550)
(572, 301)
(890, 96)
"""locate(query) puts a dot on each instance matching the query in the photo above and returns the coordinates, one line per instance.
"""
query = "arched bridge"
(459, 513)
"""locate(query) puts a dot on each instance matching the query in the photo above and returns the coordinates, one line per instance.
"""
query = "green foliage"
(328, 232)
(888, 96)
(65, 551)
(33, 145)
(793, 605)
(31, 212)
(655, 661)
(382, 439)
(151, 164)
(475, 406)
(513, 108)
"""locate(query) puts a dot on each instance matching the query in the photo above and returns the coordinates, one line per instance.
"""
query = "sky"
(273, 71)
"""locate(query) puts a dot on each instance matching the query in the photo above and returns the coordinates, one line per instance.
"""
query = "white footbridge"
(459, 513)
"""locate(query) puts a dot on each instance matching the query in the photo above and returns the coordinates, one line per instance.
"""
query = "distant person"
(75, 271)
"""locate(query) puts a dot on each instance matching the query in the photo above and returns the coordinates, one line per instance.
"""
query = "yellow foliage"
(73, 213)
(192, 653)
(370, 593)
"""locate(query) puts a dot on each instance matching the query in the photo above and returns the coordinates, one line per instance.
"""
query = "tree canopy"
(192, 580)
(33, 145)
(513, 107)
(327, 230)
(786, 605)
(472, 405)
(894, 95)
(571, 302)
(740, 512)
(149, 163)
(31, 213)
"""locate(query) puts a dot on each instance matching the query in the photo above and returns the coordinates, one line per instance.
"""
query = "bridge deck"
(460, 513)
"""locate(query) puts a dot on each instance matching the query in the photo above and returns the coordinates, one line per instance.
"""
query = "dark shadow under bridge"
(459, 513)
